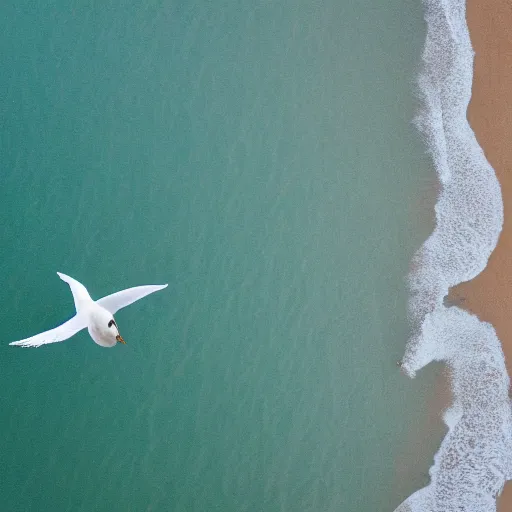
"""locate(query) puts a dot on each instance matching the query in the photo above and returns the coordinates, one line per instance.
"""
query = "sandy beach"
(489, 295)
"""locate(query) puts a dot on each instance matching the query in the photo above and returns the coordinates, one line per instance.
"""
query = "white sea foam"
(474, 459)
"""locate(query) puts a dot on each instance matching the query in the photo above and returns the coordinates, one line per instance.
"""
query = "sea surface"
(259, 157)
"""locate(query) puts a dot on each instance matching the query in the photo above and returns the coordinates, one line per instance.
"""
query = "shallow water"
(260, 159)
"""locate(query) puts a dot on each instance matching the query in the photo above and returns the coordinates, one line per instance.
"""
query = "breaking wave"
(474, 459)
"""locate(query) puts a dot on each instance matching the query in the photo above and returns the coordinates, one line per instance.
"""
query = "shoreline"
(489, 295)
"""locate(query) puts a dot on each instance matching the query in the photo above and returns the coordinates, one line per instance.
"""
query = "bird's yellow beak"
(120, 339)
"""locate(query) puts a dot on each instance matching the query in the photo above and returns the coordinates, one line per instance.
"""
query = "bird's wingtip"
(64, 277)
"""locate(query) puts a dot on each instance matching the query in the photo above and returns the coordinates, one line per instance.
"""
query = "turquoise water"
(259, 158)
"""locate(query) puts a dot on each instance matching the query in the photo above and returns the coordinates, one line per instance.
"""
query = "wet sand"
(489, 295)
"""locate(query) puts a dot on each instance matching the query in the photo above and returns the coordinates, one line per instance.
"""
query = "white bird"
(97, 316)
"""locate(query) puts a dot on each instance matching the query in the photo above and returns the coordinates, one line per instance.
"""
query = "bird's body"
(97, 316)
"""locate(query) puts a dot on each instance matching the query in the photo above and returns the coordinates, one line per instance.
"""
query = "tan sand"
(489, 295)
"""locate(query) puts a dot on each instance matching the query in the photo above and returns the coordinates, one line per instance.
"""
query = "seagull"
(97, 316)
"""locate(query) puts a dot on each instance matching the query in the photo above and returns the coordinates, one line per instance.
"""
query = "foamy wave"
(474, 459)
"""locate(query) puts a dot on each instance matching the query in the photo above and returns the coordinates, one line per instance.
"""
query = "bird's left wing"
(119, 300)
(60, 333)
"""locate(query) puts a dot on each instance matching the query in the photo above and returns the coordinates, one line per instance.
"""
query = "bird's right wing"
(60, 333)
(118, 300)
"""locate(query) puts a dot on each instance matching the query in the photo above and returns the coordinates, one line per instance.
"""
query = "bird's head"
(103, 328)
(115, 331)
